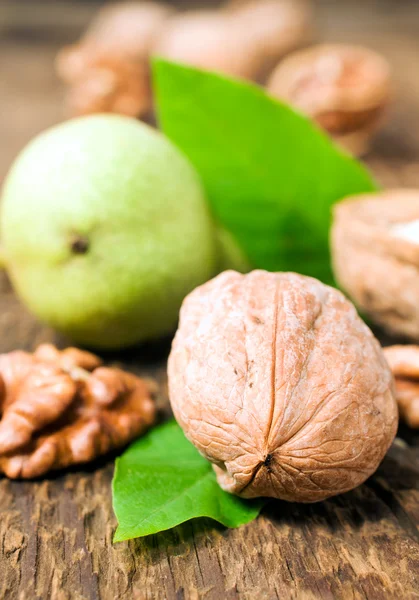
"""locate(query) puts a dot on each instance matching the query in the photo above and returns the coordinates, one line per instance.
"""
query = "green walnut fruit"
(105, 229)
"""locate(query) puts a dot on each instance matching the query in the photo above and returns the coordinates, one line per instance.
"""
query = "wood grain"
(56, 534)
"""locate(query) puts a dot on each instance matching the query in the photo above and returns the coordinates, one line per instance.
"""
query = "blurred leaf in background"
(270, 174)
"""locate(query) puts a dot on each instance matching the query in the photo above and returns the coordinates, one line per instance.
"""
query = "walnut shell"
(276, 27)
(108, 69)
(375, 252)
(128, 28)
(122, 30)
(243, 40)
(278, 382)
(208, 40)
(404, 363)
(345, 89)
(107, 84)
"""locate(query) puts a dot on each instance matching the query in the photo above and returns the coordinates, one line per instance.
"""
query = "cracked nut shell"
(278, 382)
(375, 252)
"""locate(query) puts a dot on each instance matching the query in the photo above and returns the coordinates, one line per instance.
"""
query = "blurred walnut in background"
(345, 89)
(108, 84)
(209, 40)
(273, 28)
(244, 39)
(108, 70)
(374, 244)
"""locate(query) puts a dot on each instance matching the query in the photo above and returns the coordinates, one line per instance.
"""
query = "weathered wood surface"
(56, 534)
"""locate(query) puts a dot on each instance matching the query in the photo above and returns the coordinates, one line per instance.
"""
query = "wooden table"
(56, 534)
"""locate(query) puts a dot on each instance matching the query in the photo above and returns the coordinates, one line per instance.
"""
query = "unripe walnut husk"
(280, 384)
(345, 89)
(375, 252)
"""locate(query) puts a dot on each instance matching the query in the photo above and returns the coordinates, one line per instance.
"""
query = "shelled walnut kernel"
(60, 408)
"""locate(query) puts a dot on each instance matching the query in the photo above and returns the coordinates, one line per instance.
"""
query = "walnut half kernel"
(60, 408)
(278, 382)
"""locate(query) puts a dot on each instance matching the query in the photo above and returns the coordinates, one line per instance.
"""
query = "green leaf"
(162, 481)
(270, 174)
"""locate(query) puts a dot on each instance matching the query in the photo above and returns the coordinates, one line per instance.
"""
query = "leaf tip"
(117, 536)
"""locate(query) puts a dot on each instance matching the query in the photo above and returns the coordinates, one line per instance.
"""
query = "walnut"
(108, 70)
(109, 84)
(375, 252)
(207, 40)
(345, 89)
(128, 28)
(243, 40)
(404, 362)
(61, 408)
(278, 382)
(272, 27)
(68, 359)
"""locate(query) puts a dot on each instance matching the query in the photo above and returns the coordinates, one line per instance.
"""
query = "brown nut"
(375, 253)
(128, 28)
(55, 413)
(34, 395)
(109, 84)
(208, 40)
(68, 359)
(345, 89)
(243, 41)
(121, 30)
(273, 28)
(278, 382)
(108, 71)
(404, 362)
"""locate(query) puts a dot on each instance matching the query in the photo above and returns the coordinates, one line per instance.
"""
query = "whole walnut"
(128, 28)
(345, 89)
(245, 39)
(375, 253)
(208, 40)
(273, 28)
(279, 383)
